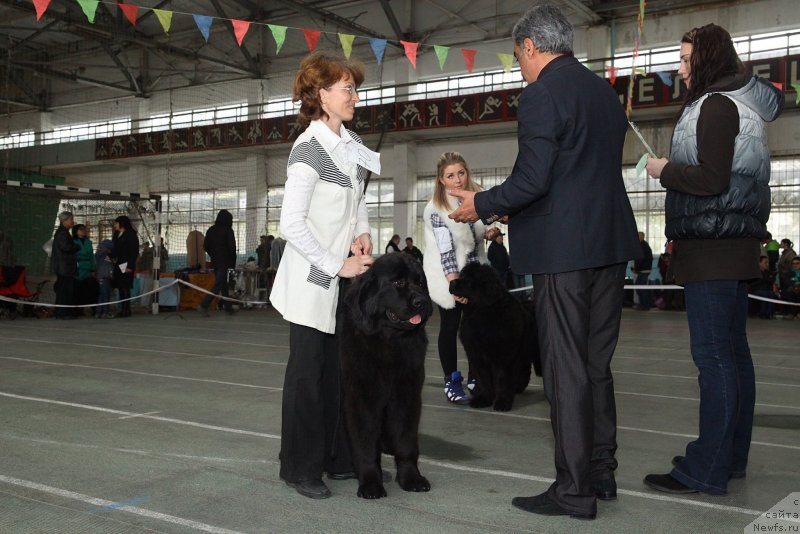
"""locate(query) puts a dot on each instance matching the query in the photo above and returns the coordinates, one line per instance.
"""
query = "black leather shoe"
(735, 474)
(667, 484)
(349, 475)
(606, 489)
(542, 504)
(313, 489)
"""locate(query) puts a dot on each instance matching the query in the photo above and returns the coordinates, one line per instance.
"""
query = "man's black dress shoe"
(667, 484)
(606, 489)
(737, 474)
(313, 489)
(348, 475)
(542, 504)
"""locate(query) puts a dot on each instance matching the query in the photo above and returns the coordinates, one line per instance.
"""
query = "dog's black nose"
(418, 302)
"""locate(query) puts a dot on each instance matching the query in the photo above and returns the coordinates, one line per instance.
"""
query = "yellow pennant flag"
(507, 60)
(347, 44)
(165, 18)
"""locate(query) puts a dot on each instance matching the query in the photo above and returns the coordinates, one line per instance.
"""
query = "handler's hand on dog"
(466, 212)
(355, 265)
(362, 245)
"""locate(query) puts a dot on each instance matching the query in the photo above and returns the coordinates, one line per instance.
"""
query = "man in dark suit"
(571, 226)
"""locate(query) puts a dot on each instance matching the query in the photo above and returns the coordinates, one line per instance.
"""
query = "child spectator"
(104, 271)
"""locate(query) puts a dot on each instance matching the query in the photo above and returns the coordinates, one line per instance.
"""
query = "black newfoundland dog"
(499, 335)
(381, 328)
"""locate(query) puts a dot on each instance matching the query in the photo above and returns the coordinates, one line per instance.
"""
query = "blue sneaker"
(454, 390)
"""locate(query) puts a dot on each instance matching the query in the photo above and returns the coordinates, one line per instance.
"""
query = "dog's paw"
(371, 490)
(416, 483)
(503, 405)
(479, 402)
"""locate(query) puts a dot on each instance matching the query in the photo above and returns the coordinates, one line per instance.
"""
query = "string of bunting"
(378, 45)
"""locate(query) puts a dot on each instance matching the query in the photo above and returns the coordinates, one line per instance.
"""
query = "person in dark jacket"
(717, 207)
(65, 264)
(567, 187)
(764, 287)
(641, 269)
(85, 290)
(126, 252)
(220, 243)
(411, 249)
(498, 258)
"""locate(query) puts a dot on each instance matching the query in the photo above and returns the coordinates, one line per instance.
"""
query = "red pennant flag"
(778, 85)
(131, 12)
(469, 57)
(240, 28)
(311, 38)
(41, 7)
(612, 73)
(411, 52)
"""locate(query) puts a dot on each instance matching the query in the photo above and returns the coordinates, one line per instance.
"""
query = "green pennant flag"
(279, 34)
(507, 60)
(347, 43)
(89, 8)
(796, 93)
(640, 71)
(441, 53)
(165, 18)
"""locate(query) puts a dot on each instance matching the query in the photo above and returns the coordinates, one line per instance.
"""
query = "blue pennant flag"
(378, 48)
(666, 78)
(204, 23)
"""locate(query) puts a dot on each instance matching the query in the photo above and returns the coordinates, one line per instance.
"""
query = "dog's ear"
(359, 300)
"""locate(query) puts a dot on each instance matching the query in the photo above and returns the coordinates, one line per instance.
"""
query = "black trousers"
(65, 289)
(449, 320)
(313, 435)
(221, 288)
(578, 317)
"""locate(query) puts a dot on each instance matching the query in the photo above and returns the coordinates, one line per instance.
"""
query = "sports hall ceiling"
(63, 59)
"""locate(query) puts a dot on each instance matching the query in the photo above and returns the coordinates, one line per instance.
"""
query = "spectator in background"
(144, 271)
(498, 258)
(411, 249)
(641, 270)
(788, 254)
(220, 243)
(790, 288)
(65, 265)
(263, 251)
(764, 287)
(104, 273)
(393, 245)
(163, 257)
(276, 253)
(126, 252)
(85, 283)
(772, 249)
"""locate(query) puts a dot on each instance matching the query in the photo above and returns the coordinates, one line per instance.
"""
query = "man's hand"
(466, 212)
(362, 245)
(655, 166)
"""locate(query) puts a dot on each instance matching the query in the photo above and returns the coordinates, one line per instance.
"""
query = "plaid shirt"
(449, 264)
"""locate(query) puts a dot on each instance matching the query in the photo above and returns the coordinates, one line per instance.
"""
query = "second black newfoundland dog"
(499, 336)
(381, 330)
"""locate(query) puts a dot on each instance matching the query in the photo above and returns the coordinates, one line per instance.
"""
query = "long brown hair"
(321, 70)
(713, 58)
(440, 197)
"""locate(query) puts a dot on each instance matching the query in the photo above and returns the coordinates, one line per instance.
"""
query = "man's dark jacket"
(220, 243)
(64, 261)
(567, 201)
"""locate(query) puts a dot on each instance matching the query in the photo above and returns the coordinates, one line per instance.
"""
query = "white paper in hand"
(123, 267)
(361, 155)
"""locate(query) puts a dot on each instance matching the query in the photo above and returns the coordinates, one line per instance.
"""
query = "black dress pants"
(65, 289)
(578, 315)
(313, 435)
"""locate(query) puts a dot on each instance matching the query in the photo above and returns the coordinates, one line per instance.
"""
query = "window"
(89, 130)
(17, 140)
(195, 117)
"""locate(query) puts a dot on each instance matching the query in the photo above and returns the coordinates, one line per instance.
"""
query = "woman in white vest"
(449, 246)
(323, 219)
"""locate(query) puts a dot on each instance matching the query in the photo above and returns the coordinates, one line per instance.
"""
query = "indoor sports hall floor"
(171, 423)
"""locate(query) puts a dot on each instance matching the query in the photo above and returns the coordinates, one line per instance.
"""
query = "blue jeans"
(104, 295)
(717, 314)
(645, 295)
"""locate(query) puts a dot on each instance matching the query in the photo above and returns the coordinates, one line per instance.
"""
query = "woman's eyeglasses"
(348, 88)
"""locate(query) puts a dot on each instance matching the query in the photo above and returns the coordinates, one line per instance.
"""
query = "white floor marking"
(695, 378)
(689, 361)
(109, 504)
(138, 415)
(222, 382)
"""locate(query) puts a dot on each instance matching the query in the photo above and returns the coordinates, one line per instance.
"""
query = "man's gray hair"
(547, 27)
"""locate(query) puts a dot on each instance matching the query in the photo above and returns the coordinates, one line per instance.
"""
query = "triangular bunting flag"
(311, 38)
(347, 43)
(612, 73)
(204, 25)
(469, 58)
(378, 48)
(165, 18)
(796, 93)
(41, 7)
(778, 85)
(441, 53)
(666, 78)
(507, 60)
(131, 12)
(279, 34)
(411, 52)
(640, 71)
(89, 8)
(240, 28)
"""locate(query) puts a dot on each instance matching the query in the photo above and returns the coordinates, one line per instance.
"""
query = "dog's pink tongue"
(416, 319)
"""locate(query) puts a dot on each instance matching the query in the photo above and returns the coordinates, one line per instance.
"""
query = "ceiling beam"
(254, 66)
(54, 73)
(387, 8)
(582, 9)
(126, 70)
(37, 99)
